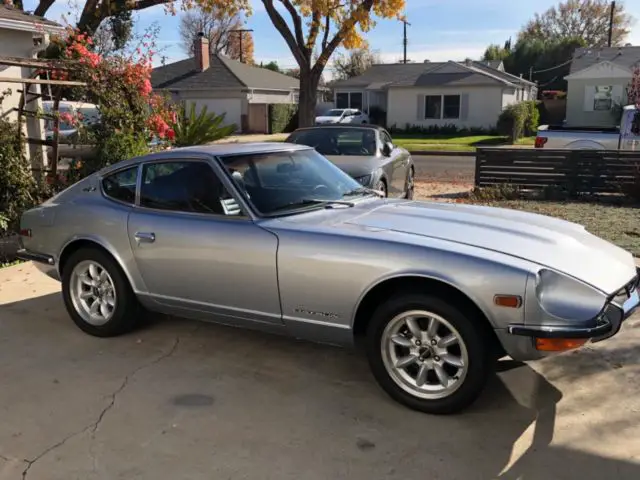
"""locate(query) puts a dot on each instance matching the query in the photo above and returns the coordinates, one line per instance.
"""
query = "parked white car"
(88, 112)
(343, 115)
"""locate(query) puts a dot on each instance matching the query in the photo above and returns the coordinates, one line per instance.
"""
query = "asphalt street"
(444, 168)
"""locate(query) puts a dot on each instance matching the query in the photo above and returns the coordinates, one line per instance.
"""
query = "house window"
(342, 100)
(433, 106)
(355, 100)
(451, 106)
(439, 107)
(349, 100)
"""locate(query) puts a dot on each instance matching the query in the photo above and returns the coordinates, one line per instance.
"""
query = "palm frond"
(195, 127)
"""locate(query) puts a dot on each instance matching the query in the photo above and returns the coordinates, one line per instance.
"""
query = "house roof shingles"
(626, 57)
(222, 73)
(11, 13)
(429, 74)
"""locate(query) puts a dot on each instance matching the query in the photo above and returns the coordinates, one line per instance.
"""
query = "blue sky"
(440, 29)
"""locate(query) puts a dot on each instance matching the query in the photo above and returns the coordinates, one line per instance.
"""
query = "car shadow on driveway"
(183, 399)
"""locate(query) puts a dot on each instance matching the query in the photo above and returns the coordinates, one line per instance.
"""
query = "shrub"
(17, 185)
(377, 116)
(281, 117)
(495, 193)
(519, 119)
(199, 128)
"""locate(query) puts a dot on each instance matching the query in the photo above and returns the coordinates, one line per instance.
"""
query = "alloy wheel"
(424, 354)
(93, 293)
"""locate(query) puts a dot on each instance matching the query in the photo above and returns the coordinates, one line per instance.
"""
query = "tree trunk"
(308, 97)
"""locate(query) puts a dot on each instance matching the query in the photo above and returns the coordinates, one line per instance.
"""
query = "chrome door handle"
(143, 237)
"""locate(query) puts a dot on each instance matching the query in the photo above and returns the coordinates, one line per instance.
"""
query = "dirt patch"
(442, 191)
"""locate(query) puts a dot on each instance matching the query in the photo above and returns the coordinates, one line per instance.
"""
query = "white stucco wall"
(511, 96)
(20, 44)
(483, 108)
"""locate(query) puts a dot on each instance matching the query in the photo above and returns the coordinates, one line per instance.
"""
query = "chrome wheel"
(93, 293)
(424, 354)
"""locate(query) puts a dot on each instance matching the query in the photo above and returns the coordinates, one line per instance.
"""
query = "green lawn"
(453, 142)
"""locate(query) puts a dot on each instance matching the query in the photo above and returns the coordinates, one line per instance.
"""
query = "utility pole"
(613, 11)
(404, 40)
(241, 32)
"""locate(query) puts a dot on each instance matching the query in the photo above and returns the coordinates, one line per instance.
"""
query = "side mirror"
(387, 148)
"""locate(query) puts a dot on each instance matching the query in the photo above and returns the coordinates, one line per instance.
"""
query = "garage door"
(232, 107)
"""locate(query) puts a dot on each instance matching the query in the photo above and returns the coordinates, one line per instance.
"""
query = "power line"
(554, 67)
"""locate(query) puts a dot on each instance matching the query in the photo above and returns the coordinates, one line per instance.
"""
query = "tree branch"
(314, 28)
(142, 4)
(327, 27)
(43, 7)
(364, 7)
(297, 23)
(283, 28)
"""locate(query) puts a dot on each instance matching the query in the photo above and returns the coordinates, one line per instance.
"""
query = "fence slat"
(577, 171)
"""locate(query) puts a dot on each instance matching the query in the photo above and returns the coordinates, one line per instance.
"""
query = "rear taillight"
(540, 141)
(25, 232)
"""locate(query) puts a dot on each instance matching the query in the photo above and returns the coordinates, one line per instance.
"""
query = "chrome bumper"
(24, 254)
(620, 306)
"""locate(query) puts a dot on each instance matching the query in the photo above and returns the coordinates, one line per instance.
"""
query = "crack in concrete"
(93, 426)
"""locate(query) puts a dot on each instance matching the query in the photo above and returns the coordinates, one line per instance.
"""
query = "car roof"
(216, 150)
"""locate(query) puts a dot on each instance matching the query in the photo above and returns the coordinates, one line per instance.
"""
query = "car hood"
(557, 244)
(356, 166)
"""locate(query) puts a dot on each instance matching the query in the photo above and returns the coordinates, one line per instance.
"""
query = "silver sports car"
(276, 237)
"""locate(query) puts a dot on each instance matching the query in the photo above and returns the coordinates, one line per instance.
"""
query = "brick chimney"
(201, 48)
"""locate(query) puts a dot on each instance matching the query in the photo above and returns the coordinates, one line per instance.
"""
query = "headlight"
(364, 180)
(566, 298)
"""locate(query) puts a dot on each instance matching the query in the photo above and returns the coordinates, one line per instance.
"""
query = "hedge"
(283, 117)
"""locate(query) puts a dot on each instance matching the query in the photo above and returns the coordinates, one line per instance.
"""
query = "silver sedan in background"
(276, 237)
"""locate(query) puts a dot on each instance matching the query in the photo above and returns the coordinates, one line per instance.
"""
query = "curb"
(442, 153)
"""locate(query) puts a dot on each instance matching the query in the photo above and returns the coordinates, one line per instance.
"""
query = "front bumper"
(619, 306)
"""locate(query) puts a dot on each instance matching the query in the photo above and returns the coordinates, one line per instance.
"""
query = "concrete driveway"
(186, 400)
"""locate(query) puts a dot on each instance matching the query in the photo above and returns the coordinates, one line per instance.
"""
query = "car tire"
(97, 294)
(410, 185)
(415, 373)
(381, 186)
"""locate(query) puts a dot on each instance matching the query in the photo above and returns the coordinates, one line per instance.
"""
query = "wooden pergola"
(27, 96)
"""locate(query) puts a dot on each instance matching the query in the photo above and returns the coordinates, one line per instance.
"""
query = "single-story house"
(597, 84)
(468, 94)
(223, 85)
(23, 36)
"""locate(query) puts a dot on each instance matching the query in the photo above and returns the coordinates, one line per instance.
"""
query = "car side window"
(185, 186)
(121, 185)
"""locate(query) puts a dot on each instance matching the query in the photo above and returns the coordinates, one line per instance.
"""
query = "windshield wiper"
(362, 190)
(304, 202)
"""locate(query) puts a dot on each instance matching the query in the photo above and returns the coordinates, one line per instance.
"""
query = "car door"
(196, 249)
(399, 161)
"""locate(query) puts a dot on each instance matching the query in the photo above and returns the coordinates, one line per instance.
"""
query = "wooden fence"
(576, 171)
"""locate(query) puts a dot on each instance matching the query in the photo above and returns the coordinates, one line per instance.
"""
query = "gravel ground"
(617, 224)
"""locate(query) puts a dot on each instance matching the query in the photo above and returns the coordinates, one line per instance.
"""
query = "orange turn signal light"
(509, 301)
(559, 344)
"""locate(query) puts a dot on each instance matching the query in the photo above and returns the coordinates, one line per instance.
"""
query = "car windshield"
(278, 183)
(336, 112)
(338, 141)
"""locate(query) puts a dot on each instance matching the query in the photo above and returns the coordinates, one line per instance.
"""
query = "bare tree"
(218, 27)
(355, 63)
(587, 19)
